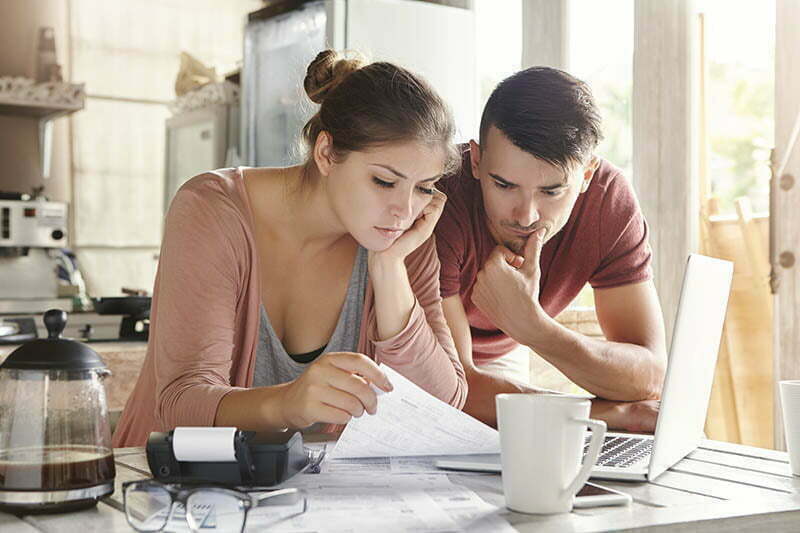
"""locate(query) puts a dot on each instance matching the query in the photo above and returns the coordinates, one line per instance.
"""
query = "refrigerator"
(434, 38)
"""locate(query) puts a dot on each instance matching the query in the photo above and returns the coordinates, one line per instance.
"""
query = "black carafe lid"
(54, 353)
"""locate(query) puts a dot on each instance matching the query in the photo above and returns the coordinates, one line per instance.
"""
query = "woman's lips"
(389, 233)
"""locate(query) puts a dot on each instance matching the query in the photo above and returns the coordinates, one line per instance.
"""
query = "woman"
(280, 290)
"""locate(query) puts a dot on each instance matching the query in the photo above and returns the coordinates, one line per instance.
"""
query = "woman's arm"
(333, 389)
(424, 351)
(394, 298)
(195, 304)
(252, 409)
(198, 311)
(410, 333)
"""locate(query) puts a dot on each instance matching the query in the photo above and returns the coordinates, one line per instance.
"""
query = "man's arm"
(484, 386)
(630, 364)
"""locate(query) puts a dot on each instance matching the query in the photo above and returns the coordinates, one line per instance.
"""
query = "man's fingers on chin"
(499, 251)
(501, 255)
(510, 256)
(497, 256)
(532, 245)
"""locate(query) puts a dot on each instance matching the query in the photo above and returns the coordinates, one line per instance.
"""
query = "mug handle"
(595, 445)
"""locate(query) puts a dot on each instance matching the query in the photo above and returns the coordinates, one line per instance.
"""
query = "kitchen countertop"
(124, 359)
(717, 487)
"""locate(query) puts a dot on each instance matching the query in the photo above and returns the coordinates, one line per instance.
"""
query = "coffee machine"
(32, 234)
(33, 242)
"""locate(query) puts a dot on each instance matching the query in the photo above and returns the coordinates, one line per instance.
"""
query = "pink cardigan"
(205, 316)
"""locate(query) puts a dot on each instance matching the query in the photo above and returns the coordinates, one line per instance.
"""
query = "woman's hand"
(419, 232)
(333, 389)
(394, 299)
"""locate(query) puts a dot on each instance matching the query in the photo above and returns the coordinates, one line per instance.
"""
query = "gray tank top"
(275, 366)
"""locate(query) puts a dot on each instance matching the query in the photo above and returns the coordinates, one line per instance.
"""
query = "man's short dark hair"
(547, 113)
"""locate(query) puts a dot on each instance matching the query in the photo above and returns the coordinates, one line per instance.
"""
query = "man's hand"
(507, 288)
(638, 417)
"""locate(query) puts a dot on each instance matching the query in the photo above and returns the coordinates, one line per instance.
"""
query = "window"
(499, 45)
(604, 59)
(740, 89)
(127, 53)
(601, 54)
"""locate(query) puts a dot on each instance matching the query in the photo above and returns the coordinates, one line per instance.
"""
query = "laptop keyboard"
(622, 451)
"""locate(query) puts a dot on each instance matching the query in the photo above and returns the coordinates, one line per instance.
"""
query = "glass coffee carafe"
(55, 439)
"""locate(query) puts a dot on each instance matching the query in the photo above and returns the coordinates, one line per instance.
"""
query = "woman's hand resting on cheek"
(419, 232)
(333, 389)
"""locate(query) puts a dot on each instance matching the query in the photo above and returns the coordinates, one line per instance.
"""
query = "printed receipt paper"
(411, 422)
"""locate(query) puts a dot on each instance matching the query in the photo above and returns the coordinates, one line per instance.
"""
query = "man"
(531, 218)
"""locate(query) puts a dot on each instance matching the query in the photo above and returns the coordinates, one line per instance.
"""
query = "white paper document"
(348, 504)
(411, 422)
(385, 503)
(416, 464)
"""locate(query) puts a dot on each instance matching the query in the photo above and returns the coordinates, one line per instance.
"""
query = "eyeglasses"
(151, 505)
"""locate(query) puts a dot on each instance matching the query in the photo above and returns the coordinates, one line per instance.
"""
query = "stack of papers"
(381, 475)
(386, 503)
(411, 422)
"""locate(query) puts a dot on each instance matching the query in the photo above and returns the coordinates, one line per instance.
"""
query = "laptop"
(687, 386)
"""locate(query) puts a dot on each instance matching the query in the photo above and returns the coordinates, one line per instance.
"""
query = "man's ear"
(323, 152)
(588, 173)
(474, 158)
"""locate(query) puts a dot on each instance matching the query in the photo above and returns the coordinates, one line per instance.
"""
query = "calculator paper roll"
(202, 444)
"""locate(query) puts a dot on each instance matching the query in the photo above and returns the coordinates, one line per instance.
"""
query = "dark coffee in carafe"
(36, 480)
(55, 436)
(55, 468)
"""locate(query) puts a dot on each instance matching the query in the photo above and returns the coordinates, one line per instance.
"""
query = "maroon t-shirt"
(603, 243)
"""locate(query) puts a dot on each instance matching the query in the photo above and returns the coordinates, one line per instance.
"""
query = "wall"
(786, 198)
(19, 137)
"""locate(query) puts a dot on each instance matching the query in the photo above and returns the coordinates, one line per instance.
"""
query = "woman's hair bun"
(327, 71)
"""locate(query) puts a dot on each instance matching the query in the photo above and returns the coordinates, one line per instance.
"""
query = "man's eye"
(425, 190)
(501, 185)
(552, 193)
(380, 182)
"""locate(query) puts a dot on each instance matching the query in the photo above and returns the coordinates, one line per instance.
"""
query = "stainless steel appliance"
(435, 38)
(55, 439)
(198, 140)
(32, 234)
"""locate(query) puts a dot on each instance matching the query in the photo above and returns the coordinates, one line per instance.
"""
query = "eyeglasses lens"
(215, 511)
(147, 507)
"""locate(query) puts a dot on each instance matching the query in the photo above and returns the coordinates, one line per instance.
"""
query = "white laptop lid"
(692, 360)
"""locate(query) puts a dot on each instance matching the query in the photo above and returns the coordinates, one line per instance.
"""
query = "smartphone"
(592, 495)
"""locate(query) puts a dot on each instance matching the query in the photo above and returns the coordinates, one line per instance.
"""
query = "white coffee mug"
(790, 404)
(541, 444)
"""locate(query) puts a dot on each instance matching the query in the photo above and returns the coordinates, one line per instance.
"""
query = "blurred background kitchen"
(108, 106)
